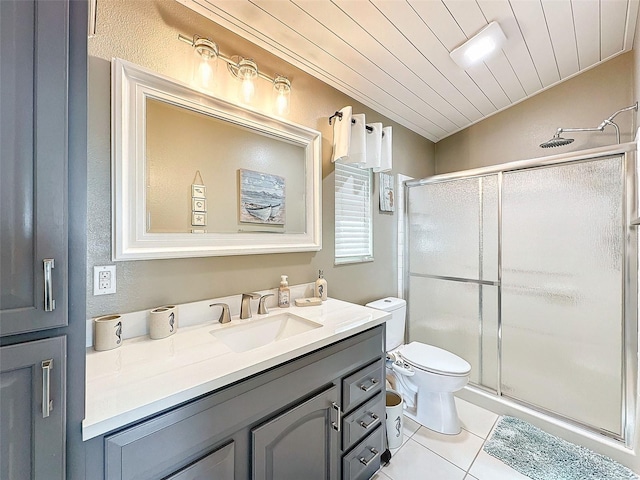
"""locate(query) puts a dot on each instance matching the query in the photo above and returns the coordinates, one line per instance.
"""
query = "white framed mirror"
(195, 176)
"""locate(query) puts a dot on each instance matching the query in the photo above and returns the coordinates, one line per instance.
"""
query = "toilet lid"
(434, 359)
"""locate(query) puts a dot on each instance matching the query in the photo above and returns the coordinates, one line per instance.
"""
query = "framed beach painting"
(262, 198)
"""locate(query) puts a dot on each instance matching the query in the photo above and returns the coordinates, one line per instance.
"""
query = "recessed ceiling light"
(480, 47)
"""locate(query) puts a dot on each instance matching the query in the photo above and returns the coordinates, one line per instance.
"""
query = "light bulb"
(206, 56)
(282, 91)
(247, 73)
(248, 90)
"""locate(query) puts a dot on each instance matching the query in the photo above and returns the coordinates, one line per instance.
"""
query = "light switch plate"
(104, 280)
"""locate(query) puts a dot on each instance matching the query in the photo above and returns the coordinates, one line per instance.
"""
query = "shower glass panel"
(449, 314)
(444, 229)
(562, 315)
(453, 270)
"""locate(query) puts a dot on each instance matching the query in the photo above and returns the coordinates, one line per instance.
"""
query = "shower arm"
(600, 128)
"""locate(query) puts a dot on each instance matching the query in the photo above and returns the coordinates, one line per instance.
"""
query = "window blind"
(353, 225)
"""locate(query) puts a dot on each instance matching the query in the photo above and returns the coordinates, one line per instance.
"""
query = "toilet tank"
(395, 326)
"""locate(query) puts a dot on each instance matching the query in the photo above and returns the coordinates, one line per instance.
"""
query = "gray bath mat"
(542, 456)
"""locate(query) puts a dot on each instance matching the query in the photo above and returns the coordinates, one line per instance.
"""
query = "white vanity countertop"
(144, 376)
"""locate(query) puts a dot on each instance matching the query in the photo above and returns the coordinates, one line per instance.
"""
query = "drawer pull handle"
(374, 419)
(366, 462)
(49, 302)
(374, 382)
(336, 424)
(47, 403)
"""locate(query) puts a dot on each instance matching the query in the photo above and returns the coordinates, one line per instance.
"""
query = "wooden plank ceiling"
(393, 55)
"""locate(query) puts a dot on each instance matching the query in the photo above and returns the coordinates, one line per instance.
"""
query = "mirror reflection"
(208, 175)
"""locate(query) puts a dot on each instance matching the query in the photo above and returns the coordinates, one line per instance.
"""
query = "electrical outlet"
(104, 280)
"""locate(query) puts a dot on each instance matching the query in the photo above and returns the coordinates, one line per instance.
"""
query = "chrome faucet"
(245, 304)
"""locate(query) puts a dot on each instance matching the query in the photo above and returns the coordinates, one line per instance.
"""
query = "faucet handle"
(225, 316)
(262, 308)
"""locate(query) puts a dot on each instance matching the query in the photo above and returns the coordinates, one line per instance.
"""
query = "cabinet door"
(32, 375)
(33, 159)
(218, 465)
(300, 443)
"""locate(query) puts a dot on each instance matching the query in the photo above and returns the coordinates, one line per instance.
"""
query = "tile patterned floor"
(426, 454)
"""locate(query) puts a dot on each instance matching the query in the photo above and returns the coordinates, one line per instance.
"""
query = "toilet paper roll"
(107, 332)
(162, 322)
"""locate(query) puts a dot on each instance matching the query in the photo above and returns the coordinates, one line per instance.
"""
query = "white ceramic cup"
(107, 332)
(162, 322)
(394, 419)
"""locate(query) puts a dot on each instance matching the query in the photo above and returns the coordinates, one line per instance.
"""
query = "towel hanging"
(358, 148)
(374, 145)
(341, 134)
(386, 156)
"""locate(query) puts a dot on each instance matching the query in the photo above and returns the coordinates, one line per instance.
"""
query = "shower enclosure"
(528, 271)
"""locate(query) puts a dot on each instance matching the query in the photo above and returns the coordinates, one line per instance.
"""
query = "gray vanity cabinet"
(32, 410)
(300, 443)
(283, 424)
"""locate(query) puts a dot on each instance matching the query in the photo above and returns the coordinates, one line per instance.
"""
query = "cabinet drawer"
(218, 464)
(364, 460)
(362, 384)
(362, 421)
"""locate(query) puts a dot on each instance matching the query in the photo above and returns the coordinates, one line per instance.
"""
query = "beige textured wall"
(145, 33)
(515, 133)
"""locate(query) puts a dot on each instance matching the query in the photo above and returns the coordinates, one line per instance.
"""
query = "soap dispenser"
(321, 286)
(284, 294)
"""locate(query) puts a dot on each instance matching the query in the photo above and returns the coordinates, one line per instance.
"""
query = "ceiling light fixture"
(482, 46)
(244, 69)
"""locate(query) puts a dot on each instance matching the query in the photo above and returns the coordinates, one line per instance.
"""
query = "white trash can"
(394, 420)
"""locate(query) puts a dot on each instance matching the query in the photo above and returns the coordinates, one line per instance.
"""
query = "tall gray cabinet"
(34, 43)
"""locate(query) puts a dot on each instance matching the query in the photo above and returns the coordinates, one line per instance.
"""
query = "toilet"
(426, 376)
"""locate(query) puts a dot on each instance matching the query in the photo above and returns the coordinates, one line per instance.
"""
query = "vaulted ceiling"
(393, 55)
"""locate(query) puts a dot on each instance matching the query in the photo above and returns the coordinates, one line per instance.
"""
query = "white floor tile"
(459, 449)
(475, 419)
(413, 461)
(379, 476)
(470, 477)
(486, 467)
(409, 427)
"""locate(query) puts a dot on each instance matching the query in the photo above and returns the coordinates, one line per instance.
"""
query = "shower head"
(556, 141)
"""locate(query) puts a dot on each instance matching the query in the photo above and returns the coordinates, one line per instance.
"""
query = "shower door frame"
(629, 376)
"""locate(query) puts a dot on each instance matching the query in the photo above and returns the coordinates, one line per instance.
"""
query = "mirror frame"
(131, 86)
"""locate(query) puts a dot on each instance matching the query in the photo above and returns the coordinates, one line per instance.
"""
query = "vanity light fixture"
(482, 46)
(244, 69)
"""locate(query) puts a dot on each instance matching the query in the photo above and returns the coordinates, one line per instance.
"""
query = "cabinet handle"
(336, 424)
(367, 462)
(374, 382)
(374, 419)
(47, 403)
(49, 302)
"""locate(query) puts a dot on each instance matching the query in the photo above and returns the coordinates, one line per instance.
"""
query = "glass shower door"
(563, 262)
(453, 270)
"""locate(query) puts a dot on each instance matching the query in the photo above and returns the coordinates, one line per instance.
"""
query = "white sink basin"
(262, 331)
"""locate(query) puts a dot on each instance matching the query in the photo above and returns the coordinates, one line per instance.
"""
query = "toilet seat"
(434, 360)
